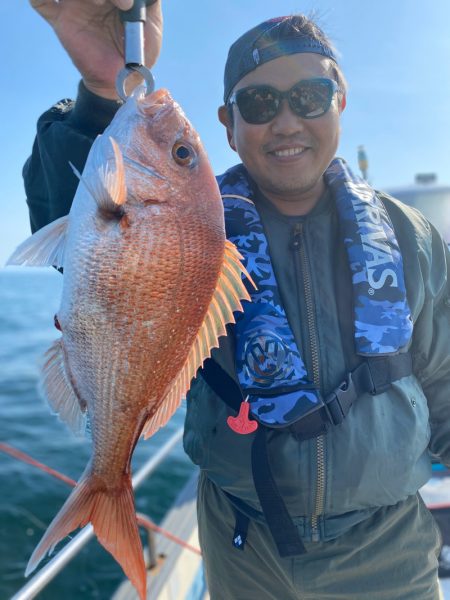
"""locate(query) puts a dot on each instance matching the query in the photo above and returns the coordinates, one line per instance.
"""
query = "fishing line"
(142, 520)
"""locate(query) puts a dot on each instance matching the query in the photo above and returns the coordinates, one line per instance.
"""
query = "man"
(342, 358)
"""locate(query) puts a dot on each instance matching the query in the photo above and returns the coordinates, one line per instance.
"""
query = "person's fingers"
(49, 8)
(154, 12)
(46, 8)
(123, 4)
(153, 33)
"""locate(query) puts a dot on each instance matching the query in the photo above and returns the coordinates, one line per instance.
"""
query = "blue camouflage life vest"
(269, 366)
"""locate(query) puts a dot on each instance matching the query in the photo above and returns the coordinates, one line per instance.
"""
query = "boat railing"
(55, 566)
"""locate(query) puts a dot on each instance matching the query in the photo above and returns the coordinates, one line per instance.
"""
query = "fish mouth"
(161, 95)
(155, 103)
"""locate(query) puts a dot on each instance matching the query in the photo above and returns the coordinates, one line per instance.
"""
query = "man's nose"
(286, 121)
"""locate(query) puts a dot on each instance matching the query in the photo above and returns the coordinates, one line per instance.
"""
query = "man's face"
(287, 156)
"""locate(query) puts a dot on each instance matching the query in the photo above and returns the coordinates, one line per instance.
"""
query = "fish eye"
(184, 154)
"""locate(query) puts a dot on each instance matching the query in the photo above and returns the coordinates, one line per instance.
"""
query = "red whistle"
(241, 423)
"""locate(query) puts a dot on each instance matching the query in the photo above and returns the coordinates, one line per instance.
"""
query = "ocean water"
(30, 498)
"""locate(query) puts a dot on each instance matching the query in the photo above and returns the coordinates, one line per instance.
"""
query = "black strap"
(383, 370)
(222, 384)
(240, 529)
(282, 528)
(374, 376)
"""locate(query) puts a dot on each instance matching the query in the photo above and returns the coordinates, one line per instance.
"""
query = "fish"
(149, 284)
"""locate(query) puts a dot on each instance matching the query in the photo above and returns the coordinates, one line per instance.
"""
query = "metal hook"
(126, 71)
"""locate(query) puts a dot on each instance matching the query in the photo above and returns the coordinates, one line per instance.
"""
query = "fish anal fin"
(45, 248)
(229, 292)
(57, 388)
(113, 518)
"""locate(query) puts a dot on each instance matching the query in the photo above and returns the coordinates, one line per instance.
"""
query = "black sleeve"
(64, 134)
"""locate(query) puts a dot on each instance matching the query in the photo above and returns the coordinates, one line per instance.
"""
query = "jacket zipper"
(302, 266)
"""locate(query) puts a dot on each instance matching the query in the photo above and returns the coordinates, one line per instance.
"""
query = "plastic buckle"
(338, 403)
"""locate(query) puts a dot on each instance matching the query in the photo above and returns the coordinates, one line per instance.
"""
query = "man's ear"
(224, 118)
(343, 103)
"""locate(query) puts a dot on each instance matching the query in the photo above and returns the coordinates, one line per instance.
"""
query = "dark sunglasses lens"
(310, 99)
(257, 105)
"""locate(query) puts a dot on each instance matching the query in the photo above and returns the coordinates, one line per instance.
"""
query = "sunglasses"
(309, 99)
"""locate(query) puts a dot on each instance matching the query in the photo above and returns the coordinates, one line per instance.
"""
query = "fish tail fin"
(113, 517)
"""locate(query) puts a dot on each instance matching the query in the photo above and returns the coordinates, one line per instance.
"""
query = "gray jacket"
(380, 454)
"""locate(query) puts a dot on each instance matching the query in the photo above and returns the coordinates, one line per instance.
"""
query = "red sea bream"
(149, 283)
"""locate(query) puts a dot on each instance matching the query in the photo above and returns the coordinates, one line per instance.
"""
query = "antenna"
(363, 163)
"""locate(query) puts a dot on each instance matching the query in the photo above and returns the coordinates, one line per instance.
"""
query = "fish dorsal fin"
(229, 292)
(56, 387)
(45, 248)
(107, 186)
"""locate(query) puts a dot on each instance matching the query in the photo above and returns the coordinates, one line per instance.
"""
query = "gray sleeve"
(434, 358)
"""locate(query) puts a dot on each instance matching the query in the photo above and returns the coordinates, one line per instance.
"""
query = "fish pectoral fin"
(45, 248)
(229, 292)
(113, 517)
(107, 187)
(57, 388)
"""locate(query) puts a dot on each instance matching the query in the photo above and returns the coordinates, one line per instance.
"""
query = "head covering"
(254, 48)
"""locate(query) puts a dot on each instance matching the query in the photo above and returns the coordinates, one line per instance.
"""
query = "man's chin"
(291, 192)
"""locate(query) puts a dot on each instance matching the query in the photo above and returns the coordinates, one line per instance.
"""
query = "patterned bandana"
(253, 49)
(269, 366)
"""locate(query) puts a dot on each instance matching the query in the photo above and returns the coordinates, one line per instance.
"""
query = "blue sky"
(395, 55)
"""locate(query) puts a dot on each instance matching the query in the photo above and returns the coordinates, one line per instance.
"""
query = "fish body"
(149, 284)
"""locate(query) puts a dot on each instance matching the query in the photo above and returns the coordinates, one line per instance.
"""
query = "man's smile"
(288, 152)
